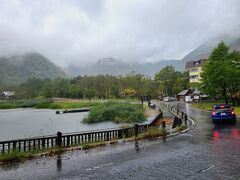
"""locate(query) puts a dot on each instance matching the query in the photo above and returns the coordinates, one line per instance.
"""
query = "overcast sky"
(82, 31)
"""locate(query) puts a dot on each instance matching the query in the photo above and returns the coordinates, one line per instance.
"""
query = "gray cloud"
(133, 30)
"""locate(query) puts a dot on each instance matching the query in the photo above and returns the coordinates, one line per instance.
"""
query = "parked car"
(167, 99)
(152, 105)
(223, 112)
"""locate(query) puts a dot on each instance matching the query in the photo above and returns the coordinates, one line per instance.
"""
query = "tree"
(171, 82)
(221, 76)
(75, 91)
(89, 93)
(129, 92)
(233, 75)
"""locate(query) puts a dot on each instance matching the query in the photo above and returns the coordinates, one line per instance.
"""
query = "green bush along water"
(117, 112)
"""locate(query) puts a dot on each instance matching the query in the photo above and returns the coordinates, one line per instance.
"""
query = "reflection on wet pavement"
(137, 146)
(59, 162)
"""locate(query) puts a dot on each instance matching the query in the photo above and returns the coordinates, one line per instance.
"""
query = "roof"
(183, 93)
(186, 92)
(195, 63)
(8, 93)
(196, 91)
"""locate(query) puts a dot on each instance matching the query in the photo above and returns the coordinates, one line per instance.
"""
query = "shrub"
(41, 104)
(37, 103)
(116, 112)
(28, 104)
(54, 106)
(7, 106)
(181, 127)
(14, 156)
(155, 132)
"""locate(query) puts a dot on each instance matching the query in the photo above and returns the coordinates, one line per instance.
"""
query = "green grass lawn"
(208, 106)
(73, 104)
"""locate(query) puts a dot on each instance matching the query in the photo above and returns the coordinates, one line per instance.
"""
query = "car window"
(222, 109)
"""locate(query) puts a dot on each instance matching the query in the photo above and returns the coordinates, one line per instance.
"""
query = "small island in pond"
(118, 112)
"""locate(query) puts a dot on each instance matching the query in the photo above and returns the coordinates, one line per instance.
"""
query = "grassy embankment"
(15, 156)
(209, 104)
(54, 104)
(46, 104)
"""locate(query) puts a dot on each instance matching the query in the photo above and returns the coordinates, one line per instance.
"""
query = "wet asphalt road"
(207, 151)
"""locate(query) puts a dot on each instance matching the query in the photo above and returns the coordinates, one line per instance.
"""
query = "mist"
(80, 32)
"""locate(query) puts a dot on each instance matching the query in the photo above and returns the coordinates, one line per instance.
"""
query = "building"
(195, 69)
(7, 95)
(185, 95)
(190, 95)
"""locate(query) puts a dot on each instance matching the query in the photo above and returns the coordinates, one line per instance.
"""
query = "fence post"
(108, 138)
(163, 124)
(176, 122)
(182, 115)
(160, 114)
(68, 141)
(59, 139)
(186, 118)
(125, 132)
(136, 127)
(14, 146)
(120, 134)
(43, 143)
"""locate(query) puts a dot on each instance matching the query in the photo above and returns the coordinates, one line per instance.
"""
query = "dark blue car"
(223, 112)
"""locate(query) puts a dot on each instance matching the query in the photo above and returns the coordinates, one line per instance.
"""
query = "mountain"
(112, 66)
(204, 50)
(17, 69)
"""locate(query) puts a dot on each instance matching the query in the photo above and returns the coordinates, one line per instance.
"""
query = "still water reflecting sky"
(23, 123)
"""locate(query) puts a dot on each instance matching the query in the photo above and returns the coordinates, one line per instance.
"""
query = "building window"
(196, 63)
(194, 77)
(193, 69)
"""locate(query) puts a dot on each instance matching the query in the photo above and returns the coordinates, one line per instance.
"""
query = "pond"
(25, 123)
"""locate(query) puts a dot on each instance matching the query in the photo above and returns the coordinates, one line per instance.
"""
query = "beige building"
(195, 69)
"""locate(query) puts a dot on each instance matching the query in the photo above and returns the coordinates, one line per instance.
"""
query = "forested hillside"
(18, 69)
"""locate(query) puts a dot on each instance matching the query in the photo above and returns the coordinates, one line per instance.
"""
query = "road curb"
(180, 132)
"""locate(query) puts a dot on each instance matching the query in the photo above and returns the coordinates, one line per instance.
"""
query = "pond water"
(25, 123)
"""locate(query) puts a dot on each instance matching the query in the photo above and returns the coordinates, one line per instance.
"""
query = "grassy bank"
(73, 104)
(13, 104)
(15, 157)
(46, 104)
(54, 104)
(118, 112)
(208, 106)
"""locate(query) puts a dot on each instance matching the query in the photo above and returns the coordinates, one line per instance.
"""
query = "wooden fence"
(180, 116)
(72, 139)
